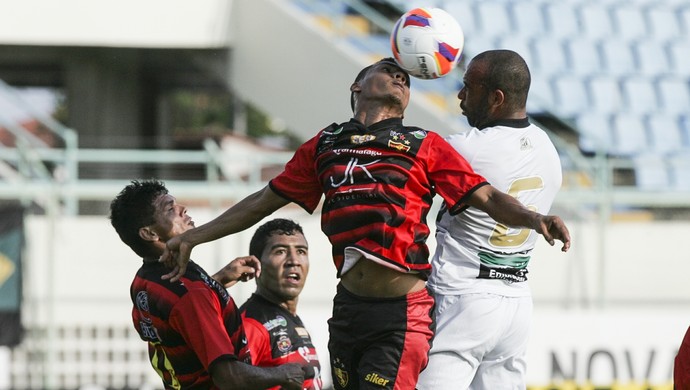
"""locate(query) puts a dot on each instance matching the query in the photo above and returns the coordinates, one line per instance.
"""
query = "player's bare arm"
(241, 269)
(242, 215)
(507, 210)
(237, 375)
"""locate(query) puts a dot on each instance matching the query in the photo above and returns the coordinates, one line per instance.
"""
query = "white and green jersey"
(474, 253)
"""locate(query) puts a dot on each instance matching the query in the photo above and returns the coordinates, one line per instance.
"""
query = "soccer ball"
(427, 42)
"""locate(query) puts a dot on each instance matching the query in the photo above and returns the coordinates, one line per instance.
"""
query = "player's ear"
(147, 234)
(497, 98)
(355, 87)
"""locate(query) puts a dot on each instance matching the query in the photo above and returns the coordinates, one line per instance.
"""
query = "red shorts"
(380, 343)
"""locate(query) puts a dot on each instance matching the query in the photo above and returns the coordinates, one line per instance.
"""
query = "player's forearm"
(236, 375)
(507, 210)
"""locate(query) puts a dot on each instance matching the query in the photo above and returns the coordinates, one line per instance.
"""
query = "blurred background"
(213, 96)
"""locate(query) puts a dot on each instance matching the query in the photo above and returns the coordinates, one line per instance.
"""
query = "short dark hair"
(270, 228)
(132, 209)
(507, 71)
(363, 72)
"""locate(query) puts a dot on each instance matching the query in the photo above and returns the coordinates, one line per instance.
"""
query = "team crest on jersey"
(284, 344)
(302, 332)
(334, 132)
(142, 301)
(419, 134)
(360, 139)
(340, 374)
(399, 142)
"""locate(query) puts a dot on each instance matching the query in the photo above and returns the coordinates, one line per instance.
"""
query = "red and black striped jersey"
(379, 183)
(277, 337)
(188, 324)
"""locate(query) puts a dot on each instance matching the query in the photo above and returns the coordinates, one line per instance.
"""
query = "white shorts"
(480, 343)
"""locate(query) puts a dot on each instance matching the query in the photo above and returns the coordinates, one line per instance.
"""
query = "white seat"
(629, 135)
(549, 56)
(665, 133)
(596, 21)
(674, 95)
(571, 95)
(561, 19)
(520, 46)
(663, 23)
(629, 21)
(618, 57)
(463, 12)
(595, 132)
(605, 94)
(540, 98)
(493, 17)
(651, 58)
(584, 57)
(528, 18)
(679, 56)
(680, 172)
(639, 95)
(651, 172)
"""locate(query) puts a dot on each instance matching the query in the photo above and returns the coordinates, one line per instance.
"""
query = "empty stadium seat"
(595, 132)
(549, 56)
(674, 95)
(665, 133)
(680, 171)
(639, 95)
(528, 18)
(679, 56)
(663, 24)
(519, 45)
(651, 172)
(629, 21)
(651, 57)
(584, 56)
(463, 12)
(540, 98)
(629, 135)
(561, 19)
(605, 94)
(618, 57)
(571, 96)
(493, 17)
(596, 21)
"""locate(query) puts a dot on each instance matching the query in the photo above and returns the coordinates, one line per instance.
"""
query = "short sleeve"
(299, 181)
(258, 340)
(197, 317)
(452, 176)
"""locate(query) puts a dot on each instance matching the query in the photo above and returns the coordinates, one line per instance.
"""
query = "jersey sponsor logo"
(148, 332)
(334, 132)
(274, 323)
(511, 275)
(525, 143)
(349, 175)
(360, 139)
(307, 354)
(419, 134)
(365, 152)
(376, 379)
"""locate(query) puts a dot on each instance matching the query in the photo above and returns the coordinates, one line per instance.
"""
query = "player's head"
(145, 216)
(387, 66)
(496, 84)
(281, 247)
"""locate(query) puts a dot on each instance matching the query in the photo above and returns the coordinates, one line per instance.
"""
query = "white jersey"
(474, 253)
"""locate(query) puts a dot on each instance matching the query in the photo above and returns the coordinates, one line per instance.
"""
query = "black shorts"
(380, 343)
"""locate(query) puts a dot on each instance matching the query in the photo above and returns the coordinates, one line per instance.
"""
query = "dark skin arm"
(509, 211)
(234, 375)
(239, 217)
(241, 269)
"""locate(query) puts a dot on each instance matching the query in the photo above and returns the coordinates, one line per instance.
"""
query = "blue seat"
(663, 23)
(679, 56)
(571, 95)
(549, 56)
(561, 19)
(528, 18)
(629, 21)
(651, 57)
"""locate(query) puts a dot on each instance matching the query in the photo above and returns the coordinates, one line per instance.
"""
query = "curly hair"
(133, 209)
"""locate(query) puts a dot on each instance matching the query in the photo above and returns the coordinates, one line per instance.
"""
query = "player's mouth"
(293, 277)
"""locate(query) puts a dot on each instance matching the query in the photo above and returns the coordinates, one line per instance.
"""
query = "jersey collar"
(517, 123)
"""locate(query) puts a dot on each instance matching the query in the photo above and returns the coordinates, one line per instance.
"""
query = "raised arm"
(241, 216)
(509, 211)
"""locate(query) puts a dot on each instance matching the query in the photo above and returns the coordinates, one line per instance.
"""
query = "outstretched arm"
(507, 210)
(241, 269)
(241, 216)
